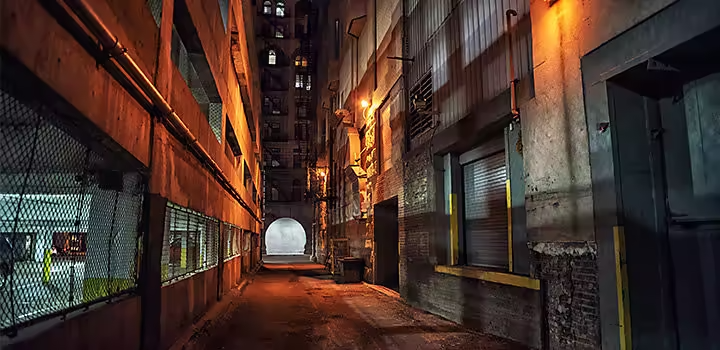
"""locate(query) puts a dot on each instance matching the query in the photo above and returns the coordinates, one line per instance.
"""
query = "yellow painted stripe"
(490, 276)
(454, 234)
(510, 226)
(622, 288)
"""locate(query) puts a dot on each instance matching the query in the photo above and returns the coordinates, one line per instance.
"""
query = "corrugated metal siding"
(463, 42)
(486, 240)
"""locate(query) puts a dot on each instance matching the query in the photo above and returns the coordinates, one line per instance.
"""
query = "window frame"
(267, 7)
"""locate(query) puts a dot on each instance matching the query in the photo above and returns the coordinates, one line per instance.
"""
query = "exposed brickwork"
(571, 299)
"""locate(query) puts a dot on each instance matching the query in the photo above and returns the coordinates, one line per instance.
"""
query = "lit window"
(280, 9)
(298, 81)
(301, 61)
(307, 85)
(272, 58)
(279, 32)
(267, 8)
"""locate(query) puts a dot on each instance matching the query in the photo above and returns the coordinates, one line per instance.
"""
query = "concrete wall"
(559, 198)
(185, 302)
(90, 330)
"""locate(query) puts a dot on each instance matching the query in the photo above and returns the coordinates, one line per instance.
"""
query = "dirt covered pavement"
(298, 306)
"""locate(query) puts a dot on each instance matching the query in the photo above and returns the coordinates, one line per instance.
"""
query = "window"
(338, 36)
(279, 32)
(247, 176)
(302, 112)
(421, 107)
(231, 138)
(302, 81)
(267, 8)
(189, 58)
(272, 57)
(301, 61)
(280, 9)
(276, 106)
(224, 9)
(479, 176)
(156, 10)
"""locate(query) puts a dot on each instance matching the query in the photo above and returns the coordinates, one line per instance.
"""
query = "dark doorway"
(665, 119)
(387, 255)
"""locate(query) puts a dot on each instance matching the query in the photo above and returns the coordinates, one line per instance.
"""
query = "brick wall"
(570, 273)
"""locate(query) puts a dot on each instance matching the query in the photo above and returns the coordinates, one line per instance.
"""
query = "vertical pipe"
(509, 14)
(375, 43)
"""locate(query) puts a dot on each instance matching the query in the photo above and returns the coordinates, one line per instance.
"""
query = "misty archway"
(285, 236)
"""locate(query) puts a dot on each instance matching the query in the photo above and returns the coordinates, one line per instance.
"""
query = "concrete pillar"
(153, 269)
(111, 240)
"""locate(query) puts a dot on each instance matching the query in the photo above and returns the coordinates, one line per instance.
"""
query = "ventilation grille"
(421, 107)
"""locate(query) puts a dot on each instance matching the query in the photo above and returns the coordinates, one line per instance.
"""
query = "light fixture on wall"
(365, 104)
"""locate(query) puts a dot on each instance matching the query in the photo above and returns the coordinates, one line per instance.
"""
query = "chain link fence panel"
(69, 217)
(233, 241)
(190, 244)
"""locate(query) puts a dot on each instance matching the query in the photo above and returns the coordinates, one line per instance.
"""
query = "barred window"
(190, 243)
(421, 107)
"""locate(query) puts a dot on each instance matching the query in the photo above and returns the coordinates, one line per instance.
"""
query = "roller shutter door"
(485, 215)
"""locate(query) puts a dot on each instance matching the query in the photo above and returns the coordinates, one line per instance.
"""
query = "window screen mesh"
(69, 217)
(190, 243)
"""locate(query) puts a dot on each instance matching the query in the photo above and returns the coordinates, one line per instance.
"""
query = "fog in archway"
(285, 237)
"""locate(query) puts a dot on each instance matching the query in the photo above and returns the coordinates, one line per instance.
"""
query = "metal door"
(485, 204)
(691, 142)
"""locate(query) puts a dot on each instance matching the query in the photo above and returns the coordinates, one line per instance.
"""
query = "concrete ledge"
(382, 289)
(490, 276)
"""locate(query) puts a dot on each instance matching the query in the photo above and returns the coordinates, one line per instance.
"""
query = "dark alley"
(360, 174)
(298, 306)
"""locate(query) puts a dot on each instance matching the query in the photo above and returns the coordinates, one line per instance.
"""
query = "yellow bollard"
(47, 260)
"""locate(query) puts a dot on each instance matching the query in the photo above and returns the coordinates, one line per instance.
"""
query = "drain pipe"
(509, 14)
(115, 50)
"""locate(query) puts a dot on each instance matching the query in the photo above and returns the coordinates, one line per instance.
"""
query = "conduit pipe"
(115, 50)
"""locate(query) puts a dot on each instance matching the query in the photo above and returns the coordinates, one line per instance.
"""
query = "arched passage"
(285, 236)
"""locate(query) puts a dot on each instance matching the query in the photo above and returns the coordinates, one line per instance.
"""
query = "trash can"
(351, 270)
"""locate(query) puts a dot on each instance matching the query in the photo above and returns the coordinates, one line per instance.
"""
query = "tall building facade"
(130, 176)
(285, 33)
(537, 170)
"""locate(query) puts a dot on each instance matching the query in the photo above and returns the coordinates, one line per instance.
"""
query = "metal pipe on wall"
(115, 50)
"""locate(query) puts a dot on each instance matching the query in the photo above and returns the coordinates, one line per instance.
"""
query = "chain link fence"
(190, 244)
(69, 217)
(233, 241)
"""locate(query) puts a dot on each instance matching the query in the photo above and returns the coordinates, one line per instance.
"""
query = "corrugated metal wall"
(463, 42)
